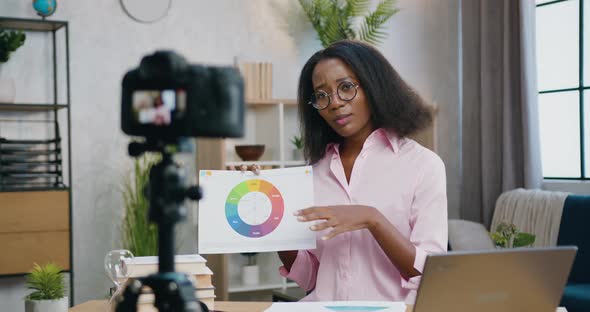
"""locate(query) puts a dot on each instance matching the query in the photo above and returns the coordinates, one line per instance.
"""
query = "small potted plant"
(48, 287)
(298, 151)
(10, 41)
(508, 236)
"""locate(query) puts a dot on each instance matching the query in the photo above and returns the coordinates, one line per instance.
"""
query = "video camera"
(164, 100)
(167, 98)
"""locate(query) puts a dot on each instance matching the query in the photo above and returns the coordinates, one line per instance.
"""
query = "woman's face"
(348, 118)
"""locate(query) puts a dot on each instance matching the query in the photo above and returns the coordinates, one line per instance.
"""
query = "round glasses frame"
(313, 101)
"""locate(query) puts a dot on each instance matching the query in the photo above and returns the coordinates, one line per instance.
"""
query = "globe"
(45, 7)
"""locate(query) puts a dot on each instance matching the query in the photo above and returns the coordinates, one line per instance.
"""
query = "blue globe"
(45, 7)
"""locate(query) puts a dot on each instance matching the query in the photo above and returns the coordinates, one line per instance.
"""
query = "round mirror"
(146, 11)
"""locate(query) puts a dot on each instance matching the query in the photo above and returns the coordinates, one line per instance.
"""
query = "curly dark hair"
(394, 104)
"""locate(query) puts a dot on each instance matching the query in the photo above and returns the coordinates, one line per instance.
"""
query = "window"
(563, 75)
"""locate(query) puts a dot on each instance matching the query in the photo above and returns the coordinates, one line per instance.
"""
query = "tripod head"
(167, 192)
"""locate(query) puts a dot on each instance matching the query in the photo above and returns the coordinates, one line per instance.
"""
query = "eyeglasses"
(346, 91)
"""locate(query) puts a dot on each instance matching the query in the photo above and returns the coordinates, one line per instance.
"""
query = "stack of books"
(257, 80)
(194, 266)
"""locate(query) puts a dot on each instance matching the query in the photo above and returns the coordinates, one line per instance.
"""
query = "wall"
(104, 44)
(574, 187)
(424, 47)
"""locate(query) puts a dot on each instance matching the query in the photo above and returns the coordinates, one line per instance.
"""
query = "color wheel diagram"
(254, 208)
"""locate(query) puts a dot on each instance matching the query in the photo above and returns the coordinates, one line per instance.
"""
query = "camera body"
(166, 98)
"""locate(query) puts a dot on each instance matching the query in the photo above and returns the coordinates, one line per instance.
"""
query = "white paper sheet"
(338, 306)
(244, 212)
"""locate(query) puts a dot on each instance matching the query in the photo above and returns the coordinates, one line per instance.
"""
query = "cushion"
(468, 235)
(576, 298)
(575, 230)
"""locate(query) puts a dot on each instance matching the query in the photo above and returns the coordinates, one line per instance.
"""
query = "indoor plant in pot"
(349, 19)
(298, 151)
(48, 287)
(139, 235)
(10, 41)
(507, 235)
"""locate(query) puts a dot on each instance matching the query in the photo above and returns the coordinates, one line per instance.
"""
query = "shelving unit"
(36, 222)
(237, 288)
(271, 122)
(268, 264)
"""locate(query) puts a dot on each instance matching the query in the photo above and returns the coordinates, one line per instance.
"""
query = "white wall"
(574, 187)
(104, 43)
(424, 45)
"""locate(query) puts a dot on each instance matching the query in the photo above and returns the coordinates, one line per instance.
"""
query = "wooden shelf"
(254, 102)
(30, 107)
(267, 163)
(35, 189)
(30, 24)
(236, 288)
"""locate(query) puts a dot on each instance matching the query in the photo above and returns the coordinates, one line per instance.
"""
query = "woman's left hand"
(341, 218)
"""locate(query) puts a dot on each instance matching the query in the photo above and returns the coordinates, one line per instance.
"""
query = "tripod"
(166, 192)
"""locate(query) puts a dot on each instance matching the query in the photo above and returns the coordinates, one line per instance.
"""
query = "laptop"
(507, 280)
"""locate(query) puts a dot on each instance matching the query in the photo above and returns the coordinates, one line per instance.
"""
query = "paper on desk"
(338, 306)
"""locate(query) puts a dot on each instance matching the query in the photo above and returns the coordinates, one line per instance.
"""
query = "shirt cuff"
(419, 261)
(296, 267)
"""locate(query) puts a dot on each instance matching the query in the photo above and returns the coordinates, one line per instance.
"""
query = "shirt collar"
(379, 135)
(386, 136)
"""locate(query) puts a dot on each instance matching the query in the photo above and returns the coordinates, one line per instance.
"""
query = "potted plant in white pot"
(10, 41)
(47, 283)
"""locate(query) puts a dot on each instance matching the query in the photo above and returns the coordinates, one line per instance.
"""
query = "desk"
(225, 306)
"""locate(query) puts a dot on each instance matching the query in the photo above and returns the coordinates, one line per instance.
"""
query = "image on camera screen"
(158, 107)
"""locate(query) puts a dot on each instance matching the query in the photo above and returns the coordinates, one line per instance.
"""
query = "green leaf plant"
(508, 236)
(336, 20)
(10, 41)
(47, 282)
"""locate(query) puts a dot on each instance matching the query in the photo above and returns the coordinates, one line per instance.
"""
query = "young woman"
(380, 197)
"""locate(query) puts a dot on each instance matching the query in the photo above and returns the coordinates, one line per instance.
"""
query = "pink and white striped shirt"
(406, 182)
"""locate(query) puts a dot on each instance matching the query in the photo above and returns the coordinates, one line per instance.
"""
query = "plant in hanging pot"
(47, 283)
(10, 41)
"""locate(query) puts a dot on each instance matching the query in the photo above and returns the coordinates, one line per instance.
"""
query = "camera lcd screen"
(158, 107)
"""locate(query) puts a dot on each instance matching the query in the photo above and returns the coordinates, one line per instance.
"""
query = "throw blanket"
(533, 211)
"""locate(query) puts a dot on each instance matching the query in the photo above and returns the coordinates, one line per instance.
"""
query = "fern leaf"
(334, 20)
(372, 27)
(356, 7)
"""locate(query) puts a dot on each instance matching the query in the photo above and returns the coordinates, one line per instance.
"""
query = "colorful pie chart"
(254, 208)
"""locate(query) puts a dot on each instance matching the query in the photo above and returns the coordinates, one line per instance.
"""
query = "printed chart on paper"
(244, 212)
